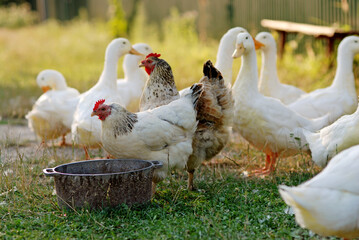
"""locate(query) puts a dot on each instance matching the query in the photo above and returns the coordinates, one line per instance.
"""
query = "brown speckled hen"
(160, 88)
(214, 108)
(214, 115)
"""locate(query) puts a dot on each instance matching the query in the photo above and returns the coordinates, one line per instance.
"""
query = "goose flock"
(145, 116)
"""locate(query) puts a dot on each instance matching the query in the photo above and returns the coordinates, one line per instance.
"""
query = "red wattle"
(148, 70)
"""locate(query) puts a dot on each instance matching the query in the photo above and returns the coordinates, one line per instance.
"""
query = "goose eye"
(246, 37)
(124, 42)
(265, 37)
(356, 41)
(42, 78)
(146, 48)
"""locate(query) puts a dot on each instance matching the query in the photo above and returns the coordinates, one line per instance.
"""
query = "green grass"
(226, 206)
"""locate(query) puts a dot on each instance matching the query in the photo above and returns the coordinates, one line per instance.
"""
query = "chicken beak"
(45, 88)
(135, 52)
(93, 114)
(239, 51)
(257, 44)
(142, 64)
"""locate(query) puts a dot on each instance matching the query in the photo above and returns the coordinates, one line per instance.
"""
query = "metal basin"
(103, 183)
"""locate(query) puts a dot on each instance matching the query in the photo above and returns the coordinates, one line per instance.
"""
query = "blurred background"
(71, 36)
(211, 16)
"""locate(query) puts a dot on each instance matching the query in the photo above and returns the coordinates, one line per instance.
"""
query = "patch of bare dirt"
(18, 142)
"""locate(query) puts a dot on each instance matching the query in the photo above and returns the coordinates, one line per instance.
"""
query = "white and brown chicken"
(214, 108)
(164, 133)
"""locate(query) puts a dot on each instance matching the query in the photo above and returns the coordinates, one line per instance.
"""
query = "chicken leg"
(190, 180)
(153, 188)
(87, 156)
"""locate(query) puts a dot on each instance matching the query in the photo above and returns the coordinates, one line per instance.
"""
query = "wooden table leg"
(330, 47)
(282, 38)
(330, 51)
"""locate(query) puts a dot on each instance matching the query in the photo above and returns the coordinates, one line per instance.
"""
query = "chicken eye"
(103, 109)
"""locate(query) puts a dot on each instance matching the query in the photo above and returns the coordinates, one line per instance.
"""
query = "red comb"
(97, 104)
(153, 55)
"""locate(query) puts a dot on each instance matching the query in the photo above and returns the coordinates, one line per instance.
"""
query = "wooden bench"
(285, 27)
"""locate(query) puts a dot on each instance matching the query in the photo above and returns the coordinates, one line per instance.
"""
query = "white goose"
(328, 204)
(340, 98)
(224, 60)
(334, 138)
(265, 122)
(52, 114)
(269, 84)
(226, 47)
(86, 130)
(130, 88)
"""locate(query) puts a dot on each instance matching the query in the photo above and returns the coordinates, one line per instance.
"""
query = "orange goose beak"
(257, 44)
(45, 88)
(135, 52)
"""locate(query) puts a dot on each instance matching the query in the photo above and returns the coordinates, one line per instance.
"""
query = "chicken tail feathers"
(196, 92)
(216, 102)
(210, 71)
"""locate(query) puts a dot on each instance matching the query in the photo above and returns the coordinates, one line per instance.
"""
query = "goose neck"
(130, 64)
(344, 76)
(269, 68)
(109, 74)
(224, 60)
(138, 77)
(60, 84)
(247, 79)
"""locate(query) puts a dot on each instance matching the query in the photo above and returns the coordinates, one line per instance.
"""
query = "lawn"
(226, 205)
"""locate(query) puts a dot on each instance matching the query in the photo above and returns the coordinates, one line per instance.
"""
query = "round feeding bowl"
(103, 183)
